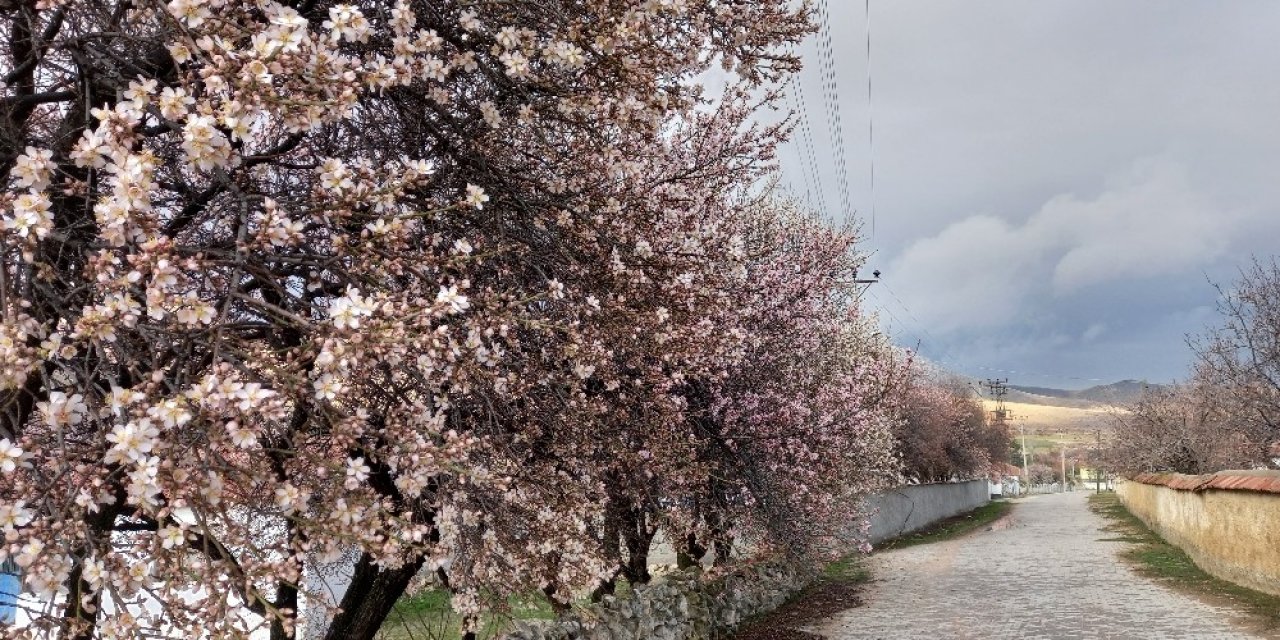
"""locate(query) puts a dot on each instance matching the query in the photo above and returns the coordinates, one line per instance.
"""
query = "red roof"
(1261, 481)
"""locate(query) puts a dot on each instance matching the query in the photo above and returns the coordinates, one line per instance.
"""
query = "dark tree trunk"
(638, 537)
(607, 588)
(611, 548)
(724, 549)
(286, 598)
(690, 555)
(721, 541)
(558, 606)
(83, 621)
(369, 599)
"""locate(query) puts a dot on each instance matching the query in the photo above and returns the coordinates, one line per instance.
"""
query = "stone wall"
(911, 507)
(1228, 522)
(681, 605)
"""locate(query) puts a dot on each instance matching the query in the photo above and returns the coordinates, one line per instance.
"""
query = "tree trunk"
(286, 598)
(369, 599)
(635, 530)
(724, 549)
(612, 551)
(691, 554)
(721, 541)
(84, 622)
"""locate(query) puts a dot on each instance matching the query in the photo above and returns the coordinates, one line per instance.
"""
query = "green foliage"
(428, 616)
(849, 569)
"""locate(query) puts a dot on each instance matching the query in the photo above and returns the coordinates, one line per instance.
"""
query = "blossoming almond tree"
(800, 426)
(283, 279)
(945, 433)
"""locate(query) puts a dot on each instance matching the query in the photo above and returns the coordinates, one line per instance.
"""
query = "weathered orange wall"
(1229, 522)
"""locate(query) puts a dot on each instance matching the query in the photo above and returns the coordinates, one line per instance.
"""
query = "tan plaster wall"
(1234, 535)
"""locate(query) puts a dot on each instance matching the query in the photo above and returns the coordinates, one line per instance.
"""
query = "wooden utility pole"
(1062, 461)
(1022, 428)
(1097, 460)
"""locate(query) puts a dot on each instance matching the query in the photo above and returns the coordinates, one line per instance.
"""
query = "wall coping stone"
(1261, 481)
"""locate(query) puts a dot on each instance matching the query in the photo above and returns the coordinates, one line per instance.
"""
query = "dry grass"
(1048, 427)
(1054, 418)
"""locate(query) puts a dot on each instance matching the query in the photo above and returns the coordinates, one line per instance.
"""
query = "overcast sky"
(1057, 182)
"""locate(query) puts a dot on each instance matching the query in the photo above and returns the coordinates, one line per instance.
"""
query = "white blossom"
(346, 311)
(14, 515)
(357, 473)
(132, 441)
(453, 301)
(62, 410)
(172, 537)
(32, 168)
(191, 12)
(30, 216)
(476, 196)
(10, 456)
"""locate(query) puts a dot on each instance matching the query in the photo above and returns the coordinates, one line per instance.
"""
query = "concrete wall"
(911, 507)
(1230, 531)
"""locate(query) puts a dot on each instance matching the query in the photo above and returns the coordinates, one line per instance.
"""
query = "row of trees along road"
(1227, 416)
(487, 289)
(945, 433)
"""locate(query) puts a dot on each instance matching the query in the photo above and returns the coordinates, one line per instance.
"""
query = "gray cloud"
(1055, 180)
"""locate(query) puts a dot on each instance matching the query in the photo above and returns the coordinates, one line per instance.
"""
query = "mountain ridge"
(1122, 392)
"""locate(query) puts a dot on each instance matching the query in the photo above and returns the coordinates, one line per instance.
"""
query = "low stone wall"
(911, 507)
(681, 605)
(1228, 522)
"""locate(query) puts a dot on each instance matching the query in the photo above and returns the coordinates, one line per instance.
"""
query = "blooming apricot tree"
(775, 445)
(1226, 415)
(801, 425)
(945, 433)
(283, 279)
(469, 288)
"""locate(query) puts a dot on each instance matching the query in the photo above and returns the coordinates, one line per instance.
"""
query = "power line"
(831, 95)
(871, 127)
(804, 169)
(807, 137)
(884, 308)
(946, 356)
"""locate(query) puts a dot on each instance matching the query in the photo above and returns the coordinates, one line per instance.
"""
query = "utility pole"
(998, 388)
(1022, 428)
(1097, 460)
(1062, 462)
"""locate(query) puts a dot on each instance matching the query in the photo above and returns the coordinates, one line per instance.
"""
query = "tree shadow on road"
(838, 589)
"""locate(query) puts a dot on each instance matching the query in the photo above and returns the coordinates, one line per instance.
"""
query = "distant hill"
(1122, 392)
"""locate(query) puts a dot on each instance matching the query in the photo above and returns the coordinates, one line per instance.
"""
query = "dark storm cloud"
(1054, 180)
